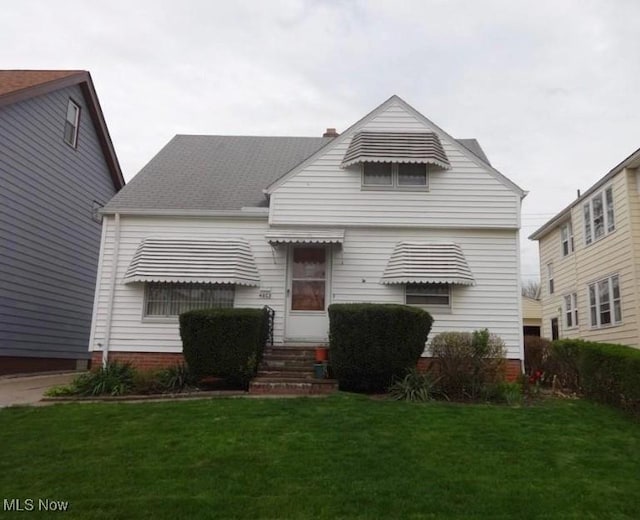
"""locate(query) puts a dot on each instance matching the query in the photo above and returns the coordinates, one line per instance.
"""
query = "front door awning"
(224, 261)
(426, 262)
(306, 236)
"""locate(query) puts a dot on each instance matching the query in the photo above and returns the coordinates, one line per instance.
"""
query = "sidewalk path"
(30, 389)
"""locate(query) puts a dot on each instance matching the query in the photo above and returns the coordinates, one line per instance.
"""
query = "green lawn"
(341, 457)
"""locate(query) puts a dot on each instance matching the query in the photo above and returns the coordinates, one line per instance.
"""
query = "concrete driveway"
(30, 389)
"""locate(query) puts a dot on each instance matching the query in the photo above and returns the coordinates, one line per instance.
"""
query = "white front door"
(308, 290)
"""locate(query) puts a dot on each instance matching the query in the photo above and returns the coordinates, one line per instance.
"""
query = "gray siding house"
(57, 168)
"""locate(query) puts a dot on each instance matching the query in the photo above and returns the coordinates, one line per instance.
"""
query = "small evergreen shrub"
(414, 386)
(467, 363)
(373, 344)
(225, 343)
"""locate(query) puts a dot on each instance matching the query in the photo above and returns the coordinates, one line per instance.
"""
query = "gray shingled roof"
(215, 172)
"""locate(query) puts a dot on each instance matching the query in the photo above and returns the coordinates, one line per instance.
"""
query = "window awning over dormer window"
(223, 261)
(427, 262)
(396, 147)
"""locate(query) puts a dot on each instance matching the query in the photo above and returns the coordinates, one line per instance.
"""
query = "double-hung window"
(71, 123)
(566, 238)
(550, 278)
(395, 176)
(163, 300)
(599, 219)
(604, 302)
(571, 310)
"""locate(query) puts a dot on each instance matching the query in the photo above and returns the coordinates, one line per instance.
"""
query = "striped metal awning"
(224, 261)
(426, 262)
(405, 147)
(306, 236)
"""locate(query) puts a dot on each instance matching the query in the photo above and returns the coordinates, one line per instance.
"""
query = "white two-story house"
(392, 210)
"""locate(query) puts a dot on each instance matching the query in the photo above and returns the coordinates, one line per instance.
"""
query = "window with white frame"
(395, 176)
(436, 294)
(71, 123)
(599, 219)
(571, 310)
(172, 299)
(604, 302)
(566, 238)
(550, 278)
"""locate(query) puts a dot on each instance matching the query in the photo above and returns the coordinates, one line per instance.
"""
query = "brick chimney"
(331, 132)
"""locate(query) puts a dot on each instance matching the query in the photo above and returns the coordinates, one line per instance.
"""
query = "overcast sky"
(551, 89)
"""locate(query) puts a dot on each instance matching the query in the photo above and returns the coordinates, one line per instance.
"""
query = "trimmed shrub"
(226, 343)
(610, 374)
(536, 353)
(373, 344)
(468, 363)
(563, 363)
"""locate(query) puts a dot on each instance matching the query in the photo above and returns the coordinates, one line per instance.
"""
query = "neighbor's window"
(571, 310)
(172, 299)
(550, 276)
(604, 302)
(599, 217)
(395, 176)
(428, 294)
(71, 123)
(566, 237)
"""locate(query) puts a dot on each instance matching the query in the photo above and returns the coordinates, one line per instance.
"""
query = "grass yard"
(341, 457)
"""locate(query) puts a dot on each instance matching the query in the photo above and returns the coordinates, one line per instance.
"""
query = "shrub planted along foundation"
(371, 345)
(226, 343)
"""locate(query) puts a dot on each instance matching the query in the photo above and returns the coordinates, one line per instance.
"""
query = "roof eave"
(83, 79)
(632, 161)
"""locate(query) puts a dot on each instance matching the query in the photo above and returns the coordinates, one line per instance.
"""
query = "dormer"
(396, 160)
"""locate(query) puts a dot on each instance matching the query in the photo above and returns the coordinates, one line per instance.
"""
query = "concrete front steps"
(288, 370)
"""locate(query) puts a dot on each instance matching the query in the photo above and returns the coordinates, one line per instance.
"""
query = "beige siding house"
(531, 316)
(392, 210)
(590, 262)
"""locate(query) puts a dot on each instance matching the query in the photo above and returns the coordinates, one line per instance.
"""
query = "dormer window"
(395, 176)
(71, 124)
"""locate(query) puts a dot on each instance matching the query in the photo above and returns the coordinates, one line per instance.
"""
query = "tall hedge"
(372, 344)
(225, 343)
(606, 372)
(611, 374)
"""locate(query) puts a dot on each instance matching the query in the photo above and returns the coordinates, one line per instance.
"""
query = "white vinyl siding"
(130, 331)
(465, 196)
(599, 217)
(358, 265)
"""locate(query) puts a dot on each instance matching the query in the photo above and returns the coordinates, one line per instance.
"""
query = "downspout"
(112, 290)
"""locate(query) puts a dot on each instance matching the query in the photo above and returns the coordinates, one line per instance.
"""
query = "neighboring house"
(393, 210)
(57, 169)
(531, 316)
(590, 261)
